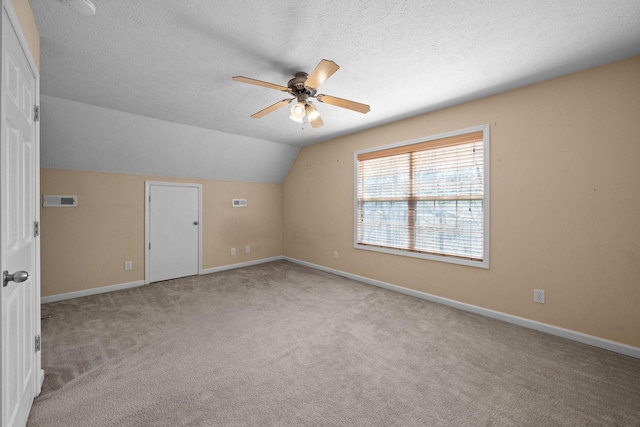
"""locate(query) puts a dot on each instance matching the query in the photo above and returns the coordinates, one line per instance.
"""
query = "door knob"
(18, 277)
(195, 222)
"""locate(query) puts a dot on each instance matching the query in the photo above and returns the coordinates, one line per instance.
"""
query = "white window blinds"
(425, 197)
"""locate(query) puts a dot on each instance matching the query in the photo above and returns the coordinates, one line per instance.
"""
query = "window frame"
(486, 200)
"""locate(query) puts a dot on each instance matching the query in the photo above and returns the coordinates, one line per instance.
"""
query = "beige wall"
(86, 247)
(29, 29)
(565, 210)
(565, 204)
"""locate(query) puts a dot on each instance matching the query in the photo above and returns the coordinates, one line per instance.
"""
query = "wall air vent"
(59, 201)
(239, 203)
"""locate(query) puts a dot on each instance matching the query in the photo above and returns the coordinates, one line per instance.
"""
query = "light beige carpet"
(283, 345)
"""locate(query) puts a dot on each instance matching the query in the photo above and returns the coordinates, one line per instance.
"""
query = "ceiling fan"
(304, 86)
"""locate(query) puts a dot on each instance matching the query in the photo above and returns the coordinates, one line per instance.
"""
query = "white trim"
(241, 264)
(112, 288)
(486, 199)
(520, 321)
(93, 291)
(147, 222)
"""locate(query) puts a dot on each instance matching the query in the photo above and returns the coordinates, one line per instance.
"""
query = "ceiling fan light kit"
(304, 86)
(297, 112)
(311, 111)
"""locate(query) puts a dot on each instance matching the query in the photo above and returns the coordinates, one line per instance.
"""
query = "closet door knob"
(18, 277)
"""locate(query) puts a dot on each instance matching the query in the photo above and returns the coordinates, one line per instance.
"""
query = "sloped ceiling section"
(173, 60)
(78, 136)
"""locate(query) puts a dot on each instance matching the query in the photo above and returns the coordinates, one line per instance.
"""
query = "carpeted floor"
(280, 344)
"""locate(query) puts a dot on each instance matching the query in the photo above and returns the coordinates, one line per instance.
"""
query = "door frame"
(147, 222)
(8, 10)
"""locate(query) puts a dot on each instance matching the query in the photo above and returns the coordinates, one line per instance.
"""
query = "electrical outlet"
(233, 251)
(248, 249)
(128, 265)
(335, 255)
(538, 296)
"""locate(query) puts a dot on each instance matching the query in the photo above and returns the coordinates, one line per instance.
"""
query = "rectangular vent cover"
(59, 201)
(239, 203)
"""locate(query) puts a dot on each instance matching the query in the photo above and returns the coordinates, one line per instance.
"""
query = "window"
(427, 198)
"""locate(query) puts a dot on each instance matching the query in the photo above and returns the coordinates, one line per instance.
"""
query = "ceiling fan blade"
(322, 72)
(271, 108)
(251, 81)
(344, 103)
(317, 122)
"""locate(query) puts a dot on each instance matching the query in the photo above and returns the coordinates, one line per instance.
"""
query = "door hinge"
(38, 343)
(36, 228)
(36, 113)
(149, 246)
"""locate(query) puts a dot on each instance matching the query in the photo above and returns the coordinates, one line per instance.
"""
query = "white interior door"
(173, 245)
(18, 205)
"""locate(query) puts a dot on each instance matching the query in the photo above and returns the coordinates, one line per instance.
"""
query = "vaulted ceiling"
(173, 60)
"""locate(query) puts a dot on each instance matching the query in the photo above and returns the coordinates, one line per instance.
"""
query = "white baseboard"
(104, 289)
(40, 379)
(520, 321)
(93, 291)
(240, 265)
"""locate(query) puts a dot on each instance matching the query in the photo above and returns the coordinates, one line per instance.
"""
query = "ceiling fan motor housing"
(298, 87)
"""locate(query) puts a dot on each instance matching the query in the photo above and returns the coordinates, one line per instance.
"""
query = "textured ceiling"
(173, 60)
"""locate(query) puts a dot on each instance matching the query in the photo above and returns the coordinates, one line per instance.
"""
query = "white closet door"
(174, 231)
(18, 204)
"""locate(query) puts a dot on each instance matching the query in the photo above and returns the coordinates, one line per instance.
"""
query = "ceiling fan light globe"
(297, 112)
(311, 111)
(296, 119)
